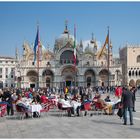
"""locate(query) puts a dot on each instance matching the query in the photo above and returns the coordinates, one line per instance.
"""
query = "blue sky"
(18, 21)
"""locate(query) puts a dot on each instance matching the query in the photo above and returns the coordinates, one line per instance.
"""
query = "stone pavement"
(53, 126)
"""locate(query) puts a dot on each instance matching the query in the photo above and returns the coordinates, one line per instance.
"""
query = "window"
(12, 69)
(129, 73)
(6, 61)
(6, 76)
(132, 73)
(12, 76)
(12, 85)
(6, 70)
(136, 73)
(0, 70)
(12, 62)
(6, 85)
(138, 59)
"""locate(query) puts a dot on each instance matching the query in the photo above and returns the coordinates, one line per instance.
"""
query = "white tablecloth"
(35, 108)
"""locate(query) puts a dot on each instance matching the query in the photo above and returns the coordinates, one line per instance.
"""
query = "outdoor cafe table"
(35, 108)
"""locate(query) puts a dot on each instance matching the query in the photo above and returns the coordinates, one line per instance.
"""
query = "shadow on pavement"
(105, 122)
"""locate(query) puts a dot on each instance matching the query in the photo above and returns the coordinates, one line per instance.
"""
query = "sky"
(18, 23)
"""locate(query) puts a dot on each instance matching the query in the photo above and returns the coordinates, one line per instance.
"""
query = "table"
(35, 108)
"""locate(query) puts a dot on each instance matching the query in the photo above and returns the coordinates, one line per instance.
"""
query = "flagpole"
(75, 56)
(38, 57)
(108, 58)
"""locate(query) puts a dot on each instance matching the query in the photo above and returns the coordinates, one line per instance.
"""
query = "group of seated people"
(76, 103)
(73, 103)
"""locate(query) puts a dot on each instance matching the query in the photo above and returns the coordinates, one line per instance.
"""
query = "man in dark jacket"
(127, 101)
(7, 98)
(133, 90)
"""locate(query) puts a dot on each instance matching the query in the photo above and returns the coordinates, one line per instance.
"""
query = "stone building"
(130, 60)
(7, 71)
(56, 68)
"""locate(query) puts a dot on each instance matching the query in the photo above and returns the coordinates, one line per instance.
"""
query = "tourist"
(127, 101)
(133, 90)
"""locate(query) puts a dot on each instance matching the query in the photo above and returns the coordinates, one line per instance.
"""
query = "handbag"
(120, 112)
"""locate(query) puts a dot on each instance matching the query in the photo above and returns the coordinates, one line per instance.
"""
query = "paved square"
(53, 126)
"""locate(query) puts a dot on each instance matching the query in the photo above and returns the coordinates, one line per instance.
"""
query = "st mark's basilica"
(57, 69)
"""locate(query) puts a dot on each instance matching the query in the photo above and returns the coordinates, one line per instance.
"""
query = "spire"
(81, 43)
(92, 38)
(16, 53)
(66, 27)
(95, 45)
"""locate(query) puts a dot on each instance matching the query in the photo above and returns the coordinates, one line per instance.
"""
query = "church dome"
(62, 40)
(89, 47)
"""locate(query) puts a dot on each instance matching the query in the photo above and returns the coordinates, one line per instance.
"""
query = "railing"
(67, 61)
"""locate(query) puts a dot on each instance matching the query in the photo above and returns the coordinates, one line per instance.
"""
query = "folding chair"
(21, 112)
(3, 108)
(87, 107)
(98, 108)
(45, 108)
(62, 110)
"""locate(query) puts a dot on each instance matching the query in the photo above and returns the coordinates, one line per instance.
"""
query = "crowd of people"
(73, 99)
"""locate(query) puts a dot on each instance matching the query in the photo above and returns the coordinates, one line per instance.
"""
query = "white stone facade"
(57, 69)
(7, 72)
(130, 59)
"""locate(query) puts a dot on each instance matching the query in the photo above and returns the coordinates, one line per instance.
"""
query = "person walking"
(127, 102)
(133, 90)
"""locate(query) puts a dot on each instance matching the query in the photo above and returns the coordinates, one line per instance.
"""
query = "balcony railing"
(68, 61)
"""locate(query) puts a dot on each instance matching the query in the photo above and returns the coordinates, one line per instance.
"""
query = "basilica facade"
(57, 69)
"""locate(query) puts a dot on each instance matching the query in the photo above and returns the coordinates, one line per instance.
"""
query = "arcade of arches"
(31, 79)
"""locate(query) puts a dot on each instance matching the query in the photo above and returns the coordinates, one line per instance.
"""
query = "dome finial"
(66, 27)
(92, 38)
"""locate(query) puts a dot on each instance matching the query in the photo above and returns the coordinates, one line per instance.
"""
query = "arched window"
(138, 59)
(129, 73)
(132, 73)
(136, 73)
(139, 72)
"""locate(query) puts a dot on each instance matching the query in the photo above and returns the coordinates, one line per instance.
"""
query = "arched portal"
(32, 78)
(103, 77)
(69, 76)
(48, 78)
(90, 78)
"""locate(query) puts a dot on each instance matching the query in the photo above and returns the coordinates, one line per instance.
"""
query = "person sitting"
(75, 102)
(43, 98)
(106, 107)
(65, 104)
(81, 107)
(107, 99)
(22, 106)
